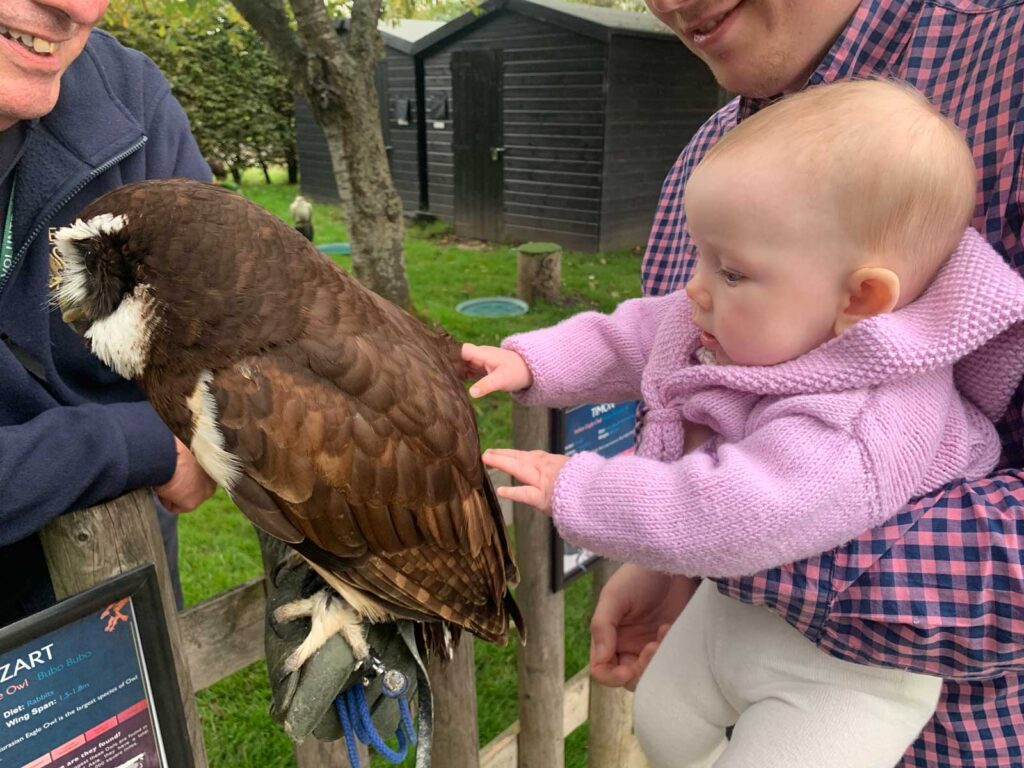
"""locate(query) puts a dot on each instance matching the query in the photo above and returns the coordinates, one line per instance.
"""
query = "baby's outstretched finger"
(484, 386)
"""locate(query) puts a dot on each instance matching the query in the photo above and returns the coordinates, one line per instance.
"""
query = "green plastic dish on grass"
(335, 249)
(493, 306)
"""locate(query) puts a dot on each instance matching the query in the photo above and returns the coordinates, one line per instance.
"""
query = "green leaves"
(237, 100)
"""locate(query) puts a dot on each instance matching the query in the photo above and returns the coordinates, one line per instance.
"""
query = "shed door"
(476, 144)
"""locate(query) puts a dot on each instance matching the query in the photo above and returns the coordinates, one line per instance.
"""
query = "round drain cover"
(335, 249)
(493, 306)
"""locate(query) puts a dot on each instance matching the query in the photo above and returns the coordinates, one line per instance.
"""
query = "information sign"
(605, 428)
(90, 683)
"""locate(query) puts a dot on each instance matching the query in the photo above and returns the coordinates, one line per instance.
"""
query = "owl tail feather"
(517, 616)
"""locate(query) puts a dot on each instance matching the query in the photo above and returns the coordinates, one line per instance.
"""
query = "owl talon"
(328, 615)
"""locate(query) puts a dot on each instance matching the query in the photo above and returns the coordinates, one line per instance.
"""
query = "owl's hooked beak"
(72, 314)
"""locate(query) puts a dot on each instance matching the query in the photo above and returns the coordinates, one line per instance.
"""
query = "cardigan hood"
(971, 317)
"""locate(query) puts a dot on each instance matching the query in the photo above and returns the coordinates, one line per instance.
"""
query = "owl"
(336, 421)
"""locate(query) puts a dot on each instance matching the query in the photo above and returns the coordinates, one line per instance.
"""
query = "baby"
(798, 393)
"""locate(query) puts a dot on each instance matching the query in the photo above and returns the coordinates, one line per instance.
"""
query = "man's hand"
(189, 486)
(536, 470)
(633, 614)
(498, 370)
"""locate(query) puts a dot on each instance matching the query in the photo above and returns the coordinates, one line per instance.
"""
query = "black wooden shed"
(400, 94)
(549, 120)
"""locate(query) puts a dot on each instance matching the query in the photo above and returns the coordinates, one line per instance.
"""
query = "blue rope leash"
(356, 723)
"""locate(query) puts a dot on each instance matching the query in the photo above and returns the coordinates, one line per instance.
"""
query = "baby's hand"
(498, 370)
(536, 470)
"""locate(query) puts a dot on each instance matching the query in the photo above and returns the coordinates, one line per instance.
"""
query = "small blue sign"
(604, 428)
(608, 429)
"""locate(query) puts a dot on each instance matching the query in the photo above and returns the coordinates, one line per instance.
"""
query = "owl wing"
(392, 501)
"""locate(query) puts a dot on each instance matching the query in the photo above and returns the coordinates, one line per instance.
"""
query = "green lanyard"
(6, 247)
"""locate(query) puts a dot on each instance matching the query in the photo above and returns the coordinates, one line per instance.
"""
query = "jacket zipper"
(53, 211)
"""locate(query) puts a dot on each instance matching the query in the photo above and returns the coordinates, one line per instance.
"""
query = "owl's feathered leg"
(328, 614)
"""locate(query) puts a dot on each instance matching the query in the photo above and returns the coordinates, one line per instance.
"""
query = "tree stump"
(539, 272)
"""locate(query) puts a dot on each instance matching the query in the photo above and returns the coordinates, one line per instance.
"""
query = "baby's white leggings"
(728, 663)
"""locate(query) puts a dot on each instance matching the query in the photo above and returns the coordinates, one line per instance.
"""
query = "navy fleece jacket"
(73, 433)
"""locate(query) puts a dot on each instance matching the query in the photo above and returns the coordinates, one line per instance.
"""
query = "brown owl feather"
(335, 420)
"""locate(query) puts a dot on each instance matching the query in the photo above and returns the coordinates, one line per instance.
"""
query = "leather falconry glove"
(303, 701)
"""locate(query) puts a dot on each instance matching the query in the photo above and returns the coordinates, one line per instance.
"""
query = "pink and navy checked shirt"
(939, 588)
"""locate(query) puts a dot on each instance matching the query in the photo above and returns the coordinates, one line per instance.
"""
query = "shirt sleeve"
(814, 472)
(936, 589)
(794, 488)
(76, 456)
(592, 356)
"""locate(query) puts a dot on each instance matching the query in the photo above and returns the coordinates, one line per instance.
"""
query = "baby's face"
(772, 264)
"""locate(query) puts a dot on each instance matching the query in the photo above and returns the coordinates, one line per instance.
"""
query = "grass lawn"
(219, 549)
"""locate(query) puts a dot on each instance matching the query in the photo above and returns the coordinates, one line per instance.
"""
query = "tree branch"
(269, 19)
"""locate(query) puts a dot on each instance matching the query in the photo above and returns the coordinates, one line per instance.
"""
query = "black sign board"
(605, 428)
(90, 683)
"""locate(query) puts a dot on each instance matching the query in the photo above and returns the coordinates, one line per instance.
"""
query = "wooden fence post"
(541, 661)
(456, 742)
(313, 753)
(93, 545)
(610, 739)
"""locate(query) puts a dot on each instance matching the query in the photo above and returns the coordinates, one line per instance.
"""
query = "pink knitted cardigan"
(807, 453)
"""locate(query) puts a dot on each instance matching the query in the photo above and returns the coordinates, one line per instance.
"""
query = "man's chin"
(38, 104)
(751, 86)
(757, 82)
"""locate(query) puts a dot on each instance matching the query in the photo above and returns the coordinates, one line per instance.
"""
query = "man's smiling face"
(38, 41)
(757, 47)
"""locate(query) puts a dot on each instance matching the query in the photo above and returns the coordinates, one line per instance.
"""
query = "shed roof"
(589, 20)
(404, 33)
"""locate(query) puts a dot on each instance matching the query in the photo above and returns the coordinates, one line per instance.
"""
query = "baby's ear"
(869, 291)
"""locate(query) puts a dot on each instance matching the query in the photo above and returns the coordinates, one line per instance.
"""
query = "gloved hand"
(303, 701)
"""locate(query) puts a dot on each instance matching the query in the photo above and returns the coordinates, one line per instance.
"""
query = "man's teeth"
(706, 29)
(36, 44)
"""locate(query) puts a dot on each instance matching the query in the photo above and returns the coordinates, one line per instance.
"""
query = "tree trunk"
(292, 161)
(339, 162)
(336, 74)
